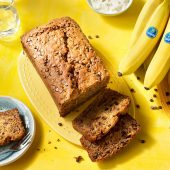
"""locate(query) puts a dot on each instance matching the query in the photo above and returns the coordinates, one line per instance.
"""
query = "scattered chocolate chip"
(160, 107)
(142, 141)
(49, 142)
(97, 36)
(138, 78)
(151, 100)
(111, 82)
(90, 37)
(168, 103)
(146, 88)
(79, 159)
(58, 140)
(167, 94)
(60, 124)
(137, 106)
(154, 107)
(119, 74)
(38, 149)
(132, 90)
(55, 147)
(155, 96)
(156, 90)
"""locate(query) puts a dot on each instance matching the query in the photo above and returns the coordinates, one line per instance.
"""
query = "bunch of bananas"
(150, 43)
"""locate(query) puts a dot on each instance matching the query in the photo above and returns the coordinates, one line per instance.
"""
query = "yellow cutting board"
(114, 33)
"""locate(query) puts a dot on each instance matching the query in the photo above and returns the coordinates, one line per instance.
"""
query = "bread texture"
(117, 138)
(66, 62)
(11, 127)
(103, 113)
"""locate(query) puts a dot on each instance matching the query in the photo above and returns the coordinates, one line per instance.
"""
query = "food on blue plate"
(103, 113)
(66, 62)
(11, 127)
(117, 138)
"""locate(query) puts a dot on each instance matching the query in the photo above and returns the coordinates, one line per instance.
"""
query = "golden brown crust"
(66, 62)
(11, 127)
(117, 138)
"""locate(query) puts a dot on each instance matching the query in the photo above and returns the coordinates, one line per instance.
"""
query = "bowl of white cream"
(110, 7)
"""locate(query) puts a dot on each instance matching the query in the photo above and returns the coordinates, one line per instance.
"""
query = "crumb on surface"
(49, 142)
(142, 141)
(151, 100)
(132, 90)
(60, 124)
(90, 37)
(79, 159)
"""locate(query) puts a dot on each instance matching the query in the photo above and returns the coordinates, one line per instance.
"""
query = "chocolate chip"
(119, 74)
(154, 107)
(60, 124)
(160, 107)
(138, 78)
(97, 36)
(156, 90)
(167, 94)
(79, 159)
(138, 106)
(155, 96)
(168, 103)
(142, 141)
(90, 37)
(151, 100)
(146, 88)
(132, 90)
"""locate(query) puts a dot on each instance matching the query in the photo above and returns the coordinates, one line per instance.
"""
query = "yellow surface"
(114, 35)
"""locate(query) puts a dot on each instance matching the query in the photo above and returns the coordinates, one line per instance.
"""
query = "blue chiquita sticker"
(151, 32)
(167, 38)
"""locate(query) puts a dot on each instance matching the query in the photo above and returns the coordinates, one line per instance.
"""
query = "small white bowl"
(110, 14)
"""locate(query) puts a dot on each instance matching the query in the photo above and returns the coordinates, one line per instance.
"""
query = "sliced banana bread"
(117, 138)
(11, 127)
(66, 62)
(101, 115)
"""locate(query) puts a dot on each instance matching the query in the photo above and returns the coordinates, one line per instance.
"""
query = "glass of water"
(9, 20)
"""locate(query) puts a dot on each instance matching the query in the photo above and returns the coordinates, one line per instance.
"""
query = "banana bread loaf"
(11, 127)
(66, 62)
(117, 138)
(101, 115)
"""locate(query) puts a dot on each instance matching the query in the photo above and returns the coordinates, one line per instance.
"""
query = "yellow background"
(114, 35)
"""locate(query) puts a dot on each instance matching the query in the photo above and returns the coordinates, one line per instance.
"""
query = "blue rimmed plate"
(7, 103)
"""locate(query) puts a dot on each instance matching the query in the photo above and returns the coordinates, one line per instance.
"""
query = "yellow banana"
(149, 59)
(146, 42)
(160, 63)
(143, 18)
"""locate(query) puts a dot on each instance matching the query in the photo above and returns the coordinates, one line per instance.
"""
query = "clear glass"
(9, 20)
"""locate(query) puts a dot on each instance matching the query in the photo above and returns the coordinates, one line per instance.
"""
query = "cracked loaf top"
(66, 62)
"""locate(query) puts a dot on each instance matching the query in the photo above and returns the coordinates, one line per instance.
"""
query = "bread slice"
(11, 127)
(101, 115)
(66, 62)
(118, 138)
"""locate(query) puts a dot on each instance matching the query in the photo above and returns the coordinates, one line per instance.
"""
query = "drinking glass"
(9, 20)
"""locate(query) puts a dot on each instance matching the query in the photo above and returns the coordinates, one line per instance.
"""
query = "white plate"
(7, 103)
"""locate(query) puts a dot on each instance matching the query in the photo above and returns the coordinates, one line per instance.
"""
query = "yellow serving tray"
(45, 106)
(114, 33)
